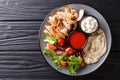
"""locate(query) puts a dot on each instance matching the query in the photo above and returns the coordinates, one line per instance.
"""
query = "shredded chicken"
(62, 22)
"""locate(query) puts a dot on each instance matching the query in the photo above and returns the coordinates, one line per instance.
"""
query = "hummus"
(96, 47)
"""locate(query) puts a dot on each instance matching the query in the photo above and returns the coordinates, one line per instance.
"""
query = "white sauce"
(89, 24)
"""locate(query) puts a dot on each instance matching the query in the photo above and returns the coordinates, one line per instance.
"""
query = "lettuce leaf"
(50, 39)
(55, 57)
(73, 64)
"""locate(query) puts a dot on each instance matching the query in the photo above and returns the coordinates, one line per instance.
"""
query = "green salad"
(63, 55)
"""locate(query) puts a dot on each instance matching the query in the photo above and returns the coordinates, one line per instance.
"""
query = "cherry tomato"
(51, 46)
(61, 42)
(69, 51)
(63, 64)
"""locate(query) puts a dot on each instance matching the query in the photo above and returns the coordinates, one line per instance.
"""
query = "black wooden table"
(20, 56)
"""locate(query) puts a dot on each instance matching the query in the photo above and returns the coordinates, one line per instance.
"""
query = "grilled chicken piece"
(67, 9)
(61, 35)
(62, 22)
(48, 29)
(74, 25)
(65, 31)
(47, 32)
(66, 25)
(75, 13)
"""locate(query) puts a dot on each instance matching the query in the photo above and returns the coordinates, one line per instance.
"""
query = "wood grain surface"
(38, 9)
(20, 56)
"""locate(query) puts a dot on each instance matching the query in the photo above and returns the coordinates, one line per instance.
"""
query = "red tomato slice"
(63, 64)
(69, 51)
(51, 46)
(61, 42)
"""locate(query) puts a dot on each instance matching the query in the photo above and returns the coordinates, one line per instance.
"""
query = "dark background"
(20, 56)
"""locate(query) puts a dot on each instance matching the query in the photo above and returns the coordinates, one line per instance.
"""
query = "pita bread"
(96, 47)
